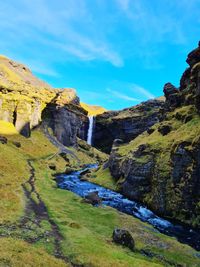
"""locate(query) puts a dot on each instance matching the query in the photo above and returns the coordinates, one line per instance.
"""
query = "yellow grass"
(18, 253)
(93, 110)
(7, 128)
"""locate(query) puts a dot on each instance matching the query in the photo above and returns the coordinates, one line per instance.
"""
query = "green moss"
(161, 148)
(103, 177)
(19, 253)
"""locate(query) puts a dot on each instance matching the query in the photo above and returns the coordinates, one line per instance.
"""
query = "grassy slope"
(86, 230)
(18, 253)
(103, 177)
(181, 132)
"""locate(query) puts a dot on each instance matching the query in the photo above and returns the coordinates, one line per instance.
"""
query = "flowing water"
(72, 182)
(90, 130)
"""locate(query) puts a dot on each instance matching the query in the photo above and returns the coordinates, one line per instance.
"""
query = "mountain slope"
(161, 166)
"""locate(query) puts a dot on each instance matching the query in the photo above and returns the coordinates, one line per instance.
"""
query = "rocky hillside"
(125, 124)
(25, 101)
(161, 167)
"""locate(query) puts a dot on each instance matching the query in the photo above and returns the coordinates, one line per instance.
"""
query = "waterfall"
(90, 130)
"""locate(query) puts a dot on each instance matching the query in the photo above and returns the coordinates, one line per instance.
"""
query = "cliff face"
(161, 167)
(25, 101)
(126, 124)
(67, 120)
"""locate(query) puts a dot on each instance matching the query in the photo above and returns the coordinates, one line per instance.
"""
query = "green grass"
(18, 253)
(162, 147)
(86, 230)
(103, 177)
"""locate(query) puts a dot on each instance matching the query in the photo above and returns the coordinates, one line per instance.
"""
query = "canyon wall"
(161, 167)
(125, 124)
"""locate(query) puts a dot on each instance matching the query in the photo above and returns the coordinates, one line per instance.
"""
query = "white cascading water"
(90, 130)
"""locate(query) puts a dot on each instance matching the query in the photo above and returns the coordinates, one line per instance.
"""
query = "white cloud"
(123, 4)
(86, 49)
(69, 24)
(40, 68)
(121, 95)
(142, 91)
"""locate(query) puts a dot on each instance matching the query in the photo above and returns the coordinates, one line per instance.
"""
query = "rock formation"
(161, 167)
(126, 124)
(67, 120)
(25, 101)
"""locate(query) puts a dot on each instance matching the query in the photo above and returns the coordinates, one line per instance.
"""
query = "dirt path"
(41, 213)
(40, 210)
(30, 228)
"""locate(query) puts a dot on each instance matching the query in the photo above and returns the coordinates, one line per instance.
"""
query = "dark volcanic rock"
(173, 97)
(164, 172)
(93, 198)
(194, 56)
(185, 79)
(181, 159)
(137, 174)
(169, 89)
(52, 166)
(17, 144)
(150, 130)
(164, 129)
(138, 178)
(126, 124)
(3, 140)
(117, 142)
(67, 122)
(124, 238)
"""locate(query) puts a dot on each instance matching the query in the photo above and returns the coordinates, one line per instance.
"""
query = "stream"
(72, 182)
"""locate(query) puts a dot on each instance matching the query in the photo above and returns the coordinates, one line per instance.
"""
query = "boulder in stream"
(93, 198)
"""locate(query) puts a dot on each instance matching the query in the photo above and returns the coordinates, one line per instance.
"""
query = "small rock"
(117, 142)
(124, 238)
(17, 144)
(188, 118)
(150, 131)
(3, 140)
(164, 129)
(52, 166)
(84, 177)
(93, 198)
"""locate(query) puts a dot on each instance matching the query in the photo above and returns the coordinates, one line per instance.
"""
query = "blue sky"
(116, 53)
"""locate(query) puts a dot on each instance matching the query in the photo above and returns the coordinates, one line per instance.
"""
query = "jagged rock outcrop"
(126, 124)
(161, 167)
(173, 98)
(190, 80)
